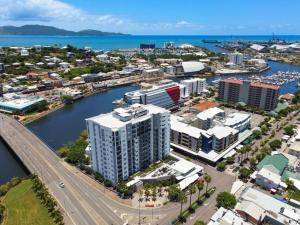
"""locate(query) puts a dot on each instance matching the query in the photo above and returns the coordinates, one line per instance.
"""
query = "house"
(259, 208)
(276, 163)
(268, 179)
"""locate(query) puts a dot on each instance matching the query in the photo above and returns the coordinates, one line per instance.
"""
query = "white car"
(61, 184)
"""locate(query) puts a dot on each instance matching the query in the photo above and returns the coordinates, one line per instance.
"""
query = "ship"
(211, 41)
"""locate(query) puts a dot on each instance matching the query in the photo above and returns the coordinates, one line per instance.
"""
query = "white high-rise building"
(128, 140)
(236, 58)
(194, 86)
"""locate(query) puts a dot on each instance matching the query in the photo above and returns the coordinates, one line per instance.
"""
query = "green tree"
(275, 144)
(226, 200)
(244, 173)
(173, 193)
(264, 129)
(289, 130)
(207, 179)
(200, 186)
(221, 166)
(199, 222)
(230, 160)
(257, 134)
(192, 190)
(182, 199)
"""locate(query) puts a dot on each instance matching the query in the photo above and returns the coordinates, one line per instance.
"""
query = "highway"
(81, 202)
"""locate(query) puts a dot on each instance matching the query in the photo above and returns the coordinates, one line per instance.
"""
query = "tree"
(264, 129)
(275, 144)
(192, 190)
(200, 186)
(207, 179)
(147, 193)
(159, 190)
(290, 185)
(173, 193)
(289, 130)
(199, 222)
(226, 200)
(257, 134)
(253, 162)
(230, 160)
(244, 173)
(221, 166)
(182, 199)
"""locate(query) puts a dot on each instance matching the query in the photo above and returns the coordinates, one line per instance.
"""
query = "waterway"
(65, 124)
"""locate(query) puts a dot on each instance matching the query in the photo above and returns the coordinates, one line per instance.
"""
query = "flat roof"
(221, 131)
(205, 105)
(231, 81)
(191, 66)
(209, 113)
(113, 121)
(267, 86)
(235, 118)
(179, 126)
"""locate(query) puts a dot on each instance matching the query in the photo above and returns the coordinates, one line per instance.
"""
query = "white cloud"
(182, 23)
(50, 11)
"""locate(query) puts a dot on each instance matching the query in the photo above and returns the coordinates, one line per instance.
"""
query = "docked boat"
(211, 41)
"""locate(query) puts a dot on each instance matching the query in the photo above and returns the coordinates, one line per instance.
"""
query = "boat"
(211, 41)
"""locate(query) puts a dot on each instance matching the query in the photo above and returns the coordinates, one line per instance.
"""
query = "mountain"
(50, 31)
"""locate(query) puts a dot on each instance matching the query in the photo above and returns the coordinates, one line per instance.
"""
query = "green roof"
(278, 161)
(289, 174)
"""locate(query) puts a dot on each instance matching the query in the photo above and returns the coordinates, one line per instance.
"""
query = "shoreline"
(45, 113)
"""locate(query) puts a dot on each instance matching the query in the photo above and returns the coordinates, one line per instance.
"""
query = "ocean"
(132, 41)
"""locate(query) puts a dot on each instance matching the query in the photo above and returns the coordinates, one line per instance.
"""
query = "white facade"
(194, 86)
(205, 118)
(128, 140)
(236, 58)
(166, 95)
(239, 121)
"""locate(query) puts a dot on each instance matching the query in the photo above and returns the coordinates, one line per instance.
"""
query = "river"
(65, 124)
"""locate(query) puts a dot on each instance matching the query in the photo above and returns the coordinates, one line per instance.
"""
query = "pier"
(81, 201)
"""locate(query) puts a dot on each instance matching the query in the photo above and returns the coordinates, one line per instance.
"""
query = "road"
(221, 180)
(83, 201)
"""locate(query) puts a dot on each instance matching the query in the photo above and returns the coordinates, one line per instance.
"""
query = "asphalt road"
(82, 200)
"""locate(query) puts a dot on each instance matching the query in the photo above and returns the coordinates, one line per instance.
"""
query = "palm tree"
(159, 190)
(182, 199)
(147, 193)
(207, 179)
(192, 190)
(140, 199)
(200, 186)
(153, 195)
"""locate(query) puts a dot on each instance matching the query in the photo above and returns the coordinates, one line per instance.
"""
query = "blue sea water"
(132, 41)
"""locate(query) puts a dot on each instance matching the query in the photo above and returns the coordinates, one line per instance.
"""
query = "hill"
(50, 31)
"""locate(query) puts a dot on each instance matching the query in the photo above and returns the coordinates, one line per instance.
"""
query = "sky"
(158, 17)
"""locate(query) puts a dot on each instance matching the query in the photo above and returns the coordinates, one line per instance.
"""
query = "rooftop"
(122, 116)
(205, 105)
(258, 205)
(232, 81)
(278, 161)
(222, 132)
(190, 67)
(209, 113)
(235, 118)
(262, 85)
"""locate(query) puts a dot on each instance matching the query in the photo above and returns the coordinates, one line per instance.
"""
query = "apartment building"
(194, 86)
(128, 140)
(257, 95)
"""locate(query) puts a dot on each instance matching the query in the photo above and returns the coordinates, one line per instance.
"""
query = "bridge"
(81, 201)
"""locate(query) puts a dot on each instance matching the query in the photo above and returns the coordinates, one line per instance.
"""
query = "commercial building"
(259, 208)
(236, 58)
(194, 86)
(128, 140)
(239, 121)
(194, 139)
(166, 95)
(227, 217)
(205, 118)
(14, 103)
(257, 95)
(192, 67)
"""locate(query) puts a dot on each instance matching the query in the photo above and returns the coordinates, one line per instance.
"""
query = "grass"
(23, 207)
(295, 195)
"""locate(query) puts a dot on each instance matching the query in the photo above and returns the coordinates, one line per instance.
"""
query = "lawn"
(23, 207)
(295, 195)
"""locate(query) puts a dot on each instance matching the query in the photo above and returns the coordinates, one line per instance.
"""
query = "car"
(61, 184)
